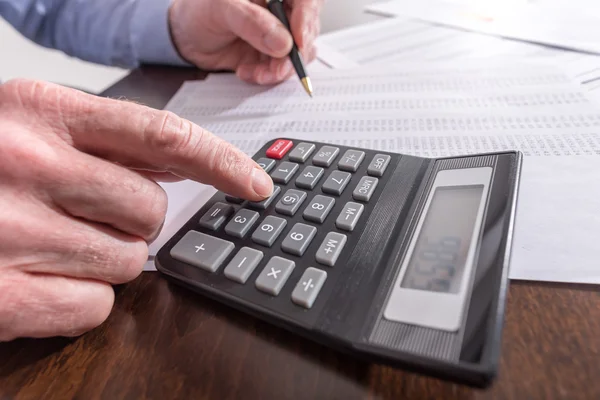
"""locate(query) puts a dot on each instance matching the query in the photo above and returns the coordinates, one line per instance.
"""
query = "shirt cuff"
(150, 36)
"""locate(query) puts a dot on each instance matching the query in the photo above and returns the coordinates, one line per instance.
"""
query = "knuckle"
(131, 263)
(169, 133)
(225, 161)
(84, 315)
(157, 211)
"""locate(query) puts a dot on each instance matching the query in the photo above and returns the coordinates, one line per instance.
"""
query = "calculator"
(396, 259)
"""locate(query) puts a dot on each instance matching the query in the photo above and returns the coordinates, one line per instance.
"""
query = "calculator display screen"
(440, 254)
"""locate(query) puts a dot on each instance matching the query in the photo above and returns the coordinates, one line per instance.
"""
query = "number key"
(241, 223)
(297, 241)
(319, 208)
(309, 177)
(269, 230)
(336, 182)
(290, 202)
(284, 172)
(266, 163)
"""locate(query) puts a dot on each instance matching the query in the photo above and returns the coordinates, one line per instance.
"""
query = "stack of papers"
(432, 110)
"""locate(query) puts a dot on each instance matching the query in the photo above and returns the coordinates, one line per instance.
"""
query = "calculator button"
(243, 264)
(319, 208)
(308, 287)
(325, 156)
(279, 148)
(349, 216)
(216, 215)
(336, 182)
(365, 188)
(298, 239)
(274, 275)
(378, 164)
(309, 177)
(269, 230)
(263, 204)
(232, 199)
(266, 163)
(241, 223)
(301, 152)
(351, 160)
(331, 248)
(290, 202)
(284, 172)
(203, 251)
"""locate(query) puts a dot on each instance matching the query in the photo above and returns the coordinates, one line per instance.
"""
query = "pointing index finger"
(136, 135)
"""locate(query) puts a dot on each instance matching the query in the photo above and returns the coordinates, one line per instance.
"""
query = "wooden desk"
(164, 342)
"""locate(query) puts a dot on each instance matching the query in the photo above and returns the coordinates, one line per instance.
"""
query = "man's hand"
(77, 205)
(242, 35)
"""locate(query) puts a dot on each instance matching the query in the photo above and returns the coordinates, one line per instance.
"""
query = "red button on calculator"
(279, 148)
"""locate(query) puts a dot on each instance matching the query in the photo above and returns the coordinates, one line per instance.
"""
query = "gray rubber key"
(349, 216)
(331, 248)
(301, 152)
(378, 164)
(263, 204)
(284, 172)
(243, 264)
(306, 291)
(241, 223)
(336, 182)
(290, 202)
(351, 160)
(298, 239)
(365, 188)
(268, 231)
(266, 163)
(319, 208)
(274, 275)
(309, 177)
(325, 156)
(216, 215)
(201, 250)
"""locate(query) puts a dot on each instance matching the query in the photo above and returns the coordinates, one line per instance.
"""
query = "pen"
(276, 7)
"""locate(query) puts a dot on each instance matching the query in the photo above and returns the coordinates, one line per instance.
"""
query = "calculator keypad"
(319, 187)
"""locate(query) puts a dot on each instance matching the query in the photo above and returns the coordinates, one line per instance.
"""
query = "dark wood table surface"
(164, 342)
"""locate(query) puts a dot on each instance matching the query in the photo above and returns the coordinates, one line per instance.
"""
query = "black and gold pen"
(277, 8)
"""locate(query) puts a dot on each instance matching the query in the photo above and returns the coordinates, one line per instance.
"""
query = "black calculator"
(398, 259)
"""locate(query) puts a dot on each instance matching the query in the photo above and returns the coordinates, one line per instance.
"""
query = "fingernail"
(261, 182)
(278, 39)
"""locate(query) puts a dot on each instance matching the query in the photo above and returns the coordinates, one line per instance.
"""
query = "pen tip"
(307, 86)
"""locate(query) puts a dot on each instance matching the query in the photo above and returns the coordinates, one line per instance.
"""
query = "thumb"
(255, 25)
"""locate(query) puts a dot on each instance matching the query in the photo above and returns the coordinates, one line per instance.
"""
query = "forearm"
(112, 32)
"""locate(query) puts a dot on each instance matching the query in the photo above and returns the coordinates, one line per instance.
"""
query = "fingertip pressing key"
(262, 184)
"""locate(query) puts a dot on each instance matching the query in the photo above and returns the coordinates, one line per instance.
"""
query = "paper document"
(421, 45)
(557, 217)
(577, 29)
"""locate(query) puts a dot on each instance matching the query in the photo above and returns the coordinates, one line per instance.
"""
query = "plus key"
(279, 149)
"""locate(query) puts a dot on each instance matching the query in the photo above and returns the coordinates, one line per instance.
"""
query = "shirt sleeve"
(123, 33)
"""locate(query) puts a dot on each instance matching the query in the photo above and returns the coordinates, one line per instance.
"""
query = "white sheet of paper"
(416, 44)
(557, 218)
(577, 29)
